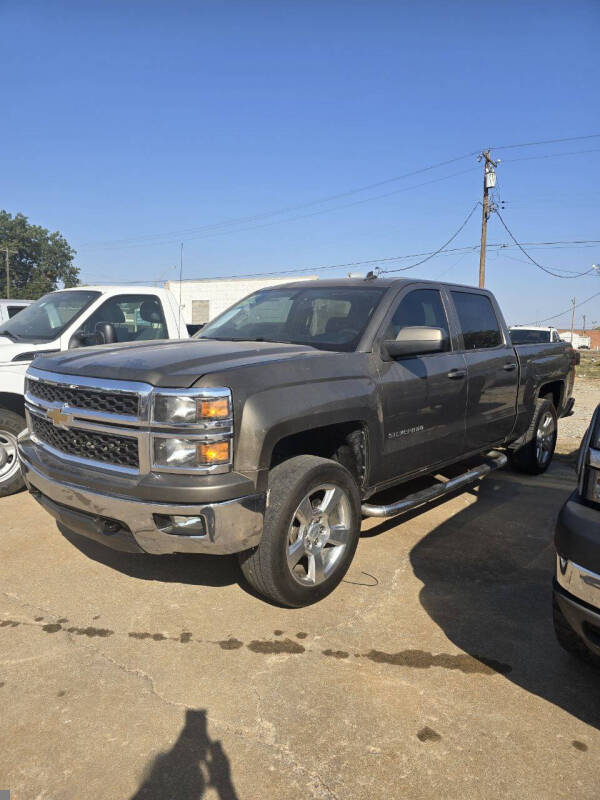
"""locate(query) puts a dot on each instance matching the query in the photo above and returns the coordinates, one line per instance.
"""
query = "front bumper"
(129, 525)
(577, 587)
(583, 618)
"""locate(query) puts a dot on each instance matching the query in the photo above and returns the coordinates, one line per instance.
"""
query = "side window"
(134, 318)
(478, 320)
(422, 307)
(13, 310)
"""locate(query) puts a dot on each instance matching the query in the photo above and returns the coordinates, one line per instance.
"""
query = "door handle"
(510, 366)
(457, 374)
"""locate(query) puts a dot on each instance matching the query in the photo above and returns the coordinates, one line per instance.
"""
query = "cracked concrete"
(137, 677)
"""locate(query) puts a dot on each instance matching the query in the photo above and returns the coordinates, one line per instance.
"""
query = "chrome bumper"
(578, 581)
(231, 526)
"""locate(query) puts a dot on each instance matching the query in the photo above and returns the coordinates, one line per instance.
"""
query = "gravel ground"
(571, 429)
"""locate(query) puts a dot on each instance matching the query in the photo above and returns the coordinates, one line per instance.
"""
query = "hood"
(169, 363)
(10, 349)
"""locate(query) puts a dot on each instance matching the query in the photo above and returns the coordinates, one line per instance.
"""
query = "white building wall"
(222, 292)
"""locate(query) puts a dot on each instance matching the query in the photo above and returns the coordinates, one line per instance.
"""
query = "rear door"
(492, 369)
(423, 397)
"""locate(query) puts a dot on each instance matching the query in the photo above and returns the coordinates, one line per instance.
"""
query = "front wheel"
(11, 425)
(310, 533)
(535, 457)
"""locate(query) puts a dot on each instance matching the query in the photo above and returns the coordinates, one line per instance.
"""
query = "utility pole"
(574, 301)
(489, 181)
(583, 331)
(7, 265)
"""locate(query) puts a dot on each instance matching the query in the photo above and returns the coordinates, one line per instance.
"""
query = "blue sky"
(133, 126)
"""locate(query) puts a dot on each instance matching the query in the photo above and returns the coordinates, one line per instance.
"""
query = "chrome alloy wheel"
(9, 463)
(544, 438)
(319, 534)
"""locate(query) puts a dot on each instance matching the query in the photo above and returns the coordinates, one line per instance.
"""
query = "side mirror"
(77, 340)
(106, 333)
(414, 341)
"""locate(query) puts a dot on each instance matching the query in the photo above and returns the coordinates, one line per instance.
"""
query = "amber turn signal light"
(213, 452)
(215, 408)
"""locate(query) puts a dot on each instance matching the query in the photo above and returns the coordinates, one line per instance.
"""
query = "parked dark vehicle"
(271, 432)
(576, 602)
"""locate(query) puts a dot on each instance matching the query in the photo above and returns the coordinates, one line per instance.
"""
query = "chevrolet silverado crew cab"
(577, 580)
(270, 432)
(63, 320)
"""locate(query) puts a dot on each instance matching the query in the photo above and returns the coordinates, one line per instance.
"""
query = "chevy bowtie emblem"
(58, 417)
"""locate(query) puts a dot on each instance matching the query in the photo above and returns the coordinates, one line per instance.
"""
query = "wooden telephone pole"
(7, 265)
(489, 181)
(574, 301)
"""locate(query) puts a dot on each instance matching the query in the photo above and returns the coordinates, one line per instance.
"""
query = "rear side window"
(14, 310)
(423, 307)
(478, 321)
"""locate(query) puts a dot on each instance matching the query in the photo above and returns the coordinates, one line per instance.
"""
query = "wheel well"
(344, 442)
(13, 402)
(554, 389)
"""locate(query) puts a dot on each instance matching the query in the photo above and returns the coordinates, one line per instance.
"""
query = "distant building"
(594, 336)
(203, 300)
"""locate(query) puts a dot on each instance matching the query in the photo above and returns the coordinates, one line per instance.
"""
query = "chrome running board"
(493, 461)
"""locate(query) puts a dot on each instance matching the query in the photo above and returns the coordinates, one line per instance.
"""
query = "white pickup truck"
(63, 320)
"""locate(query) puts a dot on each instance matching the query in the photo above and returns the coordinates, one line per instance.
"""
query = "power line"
(560, 269)
(436, 252)
(551, 155)
(285, 210)
(292, 219)
(220, 228)
(547, 141)
(566, 311)
(533, 261)
(499, 246)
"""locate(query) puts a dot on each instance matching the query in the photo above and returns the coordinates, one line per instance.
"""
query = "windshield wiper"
(243, 339)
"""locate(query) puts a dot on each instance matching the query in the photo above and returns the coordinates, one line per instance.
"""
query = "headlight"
(190, 454)
(192, 406)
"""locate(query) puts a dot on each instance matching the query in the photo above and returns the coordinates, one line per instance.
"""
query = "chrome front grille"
(106, 448)
(109, 424)
(90, 421)
(121, 402)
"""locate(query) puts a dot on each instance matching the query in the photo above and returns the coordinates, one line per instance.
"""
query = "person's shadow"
(487, 582)
(194, 764)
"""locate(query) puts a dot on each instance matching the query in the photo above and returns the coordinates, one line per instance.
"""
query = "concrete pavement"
(432, 671)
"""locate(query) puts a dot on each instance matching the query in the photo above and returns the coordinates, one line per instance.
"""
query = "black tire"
(11, 425)
(568, 639)
(532, 458)
(266, 568)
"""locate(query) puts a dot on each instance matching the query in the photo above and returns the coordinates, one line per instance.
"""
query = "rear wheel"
(535, 456)
(310, 533)
(11, 425)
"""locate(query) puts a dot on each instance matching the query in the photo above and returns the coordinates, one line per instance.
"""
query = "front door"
(423, 397)
(492, 368)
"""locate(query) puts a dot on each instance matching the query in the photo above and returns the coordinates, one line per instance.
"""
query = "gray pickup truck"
(270, 433)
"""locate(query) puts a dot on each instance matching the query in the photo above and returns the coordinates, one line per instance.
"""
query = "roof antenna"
(180, 286)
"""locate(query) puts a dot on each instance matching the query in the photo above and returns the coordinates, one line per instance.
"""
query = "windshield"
(529, 336)
(329, 318)
(48, 317)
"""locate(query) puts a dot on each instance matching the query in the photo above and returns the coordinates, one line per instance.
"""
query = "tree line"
(40, 261)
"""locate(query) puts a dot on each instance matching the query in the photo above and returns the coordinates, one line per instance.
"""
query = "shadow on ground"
(487, 575)
(194, 764)
(193, 569)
